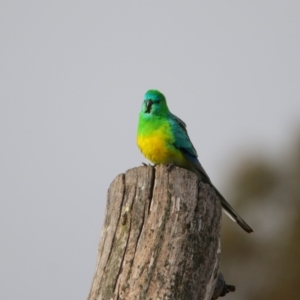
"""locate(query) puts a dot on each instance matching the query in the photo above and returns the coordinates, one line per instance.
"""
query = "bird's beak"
(148, 106)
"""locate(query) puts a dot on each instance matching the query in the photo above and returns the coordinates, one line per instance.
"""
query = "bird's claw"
(170, 167)
(146, 165)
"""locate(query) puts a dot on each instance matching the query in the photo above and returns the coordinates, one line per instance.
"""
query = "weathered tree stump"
(160, 239)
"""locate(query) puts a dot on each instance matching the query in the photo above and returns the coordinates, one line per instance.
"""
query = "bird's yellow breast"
(158, 146)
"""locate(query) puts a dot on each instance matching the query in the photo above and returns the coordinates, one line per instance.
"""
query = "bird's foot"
(146, 165)
(170, 167)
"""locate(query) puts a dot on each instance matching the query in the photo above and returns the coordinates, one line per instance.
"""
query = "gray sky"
(73, 75)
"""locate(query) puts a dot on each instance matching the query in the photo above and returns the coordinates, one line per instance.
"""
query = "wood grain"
(160, 238)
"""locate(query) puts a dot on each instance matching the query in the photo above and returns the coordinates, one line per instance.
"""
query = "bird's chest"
(157, 144)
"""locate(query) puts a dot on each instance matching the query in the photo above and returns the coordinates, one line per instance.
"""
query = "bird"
(162, 137)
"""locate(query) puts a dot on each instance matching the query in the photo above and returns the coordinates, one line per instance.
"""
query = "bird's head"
(155, 104)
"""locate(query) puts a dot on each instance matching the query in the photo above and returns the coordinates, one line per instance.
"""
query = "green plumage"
(163, 139)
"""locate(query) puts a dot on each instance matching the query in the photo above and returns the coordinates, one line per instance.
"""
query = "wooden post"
(160, 239)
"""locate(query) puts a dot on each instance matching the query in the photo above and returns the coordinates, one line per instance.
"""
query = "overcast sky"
(72, 79)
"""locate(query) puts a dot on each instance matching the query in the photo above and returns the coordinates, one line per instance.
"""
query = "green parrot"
(163, 139)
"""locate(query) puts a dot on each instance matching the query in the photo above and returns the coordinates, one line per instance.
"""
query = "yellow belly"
(160, 149)
(155, 149)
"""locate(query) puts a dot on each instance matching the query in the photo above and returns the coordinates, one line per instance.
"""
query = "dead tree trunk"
(160, 238)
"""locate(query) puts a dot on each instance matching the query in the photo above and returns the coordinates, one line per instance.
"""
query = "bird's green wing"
(184, 144)
(182, 140)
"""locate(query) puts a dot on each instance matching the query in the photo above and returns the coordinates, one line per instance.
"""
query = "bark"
(160, 238)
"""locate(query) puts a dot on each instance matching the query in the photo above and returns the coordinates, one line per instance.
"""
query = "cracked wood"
(160, 238)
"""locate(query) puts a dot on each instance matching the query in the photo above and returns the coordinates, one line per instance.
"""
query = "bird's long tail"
(232, 214)
(194, 165)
